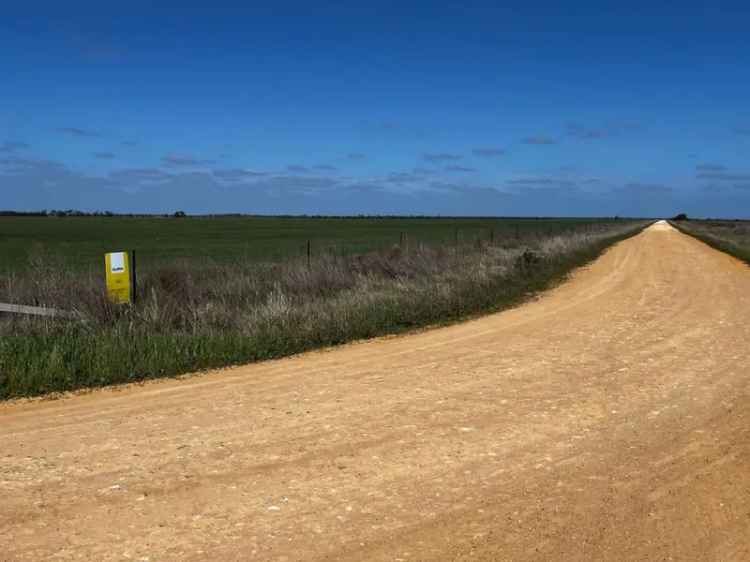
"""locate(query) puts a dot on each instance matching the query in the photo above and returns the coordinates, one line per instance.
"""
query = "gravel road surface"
(609, 419)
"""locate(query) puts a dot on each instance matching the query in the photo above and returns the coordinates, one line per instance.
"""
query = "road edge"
(719, 244)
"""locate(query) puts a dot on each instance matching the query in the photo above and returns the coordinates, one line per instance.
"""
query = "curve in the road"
(606, 420)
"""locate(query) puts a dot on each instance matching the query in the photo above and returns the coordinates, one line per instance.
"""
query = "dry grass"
(190, 318)
(732, 237)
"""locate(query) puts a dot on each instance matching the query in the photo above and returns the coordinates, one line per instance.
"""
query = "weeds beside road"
(732, 237)
(189, 319)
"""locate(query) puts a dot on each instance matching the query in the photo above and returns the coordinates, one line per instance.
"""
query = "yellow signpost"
(120, 271)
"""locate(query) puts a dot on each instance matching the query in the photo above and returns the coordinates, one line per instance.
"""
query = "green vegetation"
(194, 314)
(732, 237)
(80, 242)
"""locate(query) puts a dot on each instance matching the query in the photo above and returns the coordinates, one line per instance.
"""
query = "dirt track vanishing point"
(607, 420)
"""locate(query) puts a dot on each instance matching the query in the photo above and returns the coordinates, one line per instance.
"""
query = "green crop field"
(254, 300)
(80, 242)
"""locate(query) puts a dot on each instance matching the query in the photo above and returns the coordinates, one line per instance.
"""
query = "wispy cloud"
(447, 186)
(238, 175)
(440, 157)
(325, 168)
(612, 129)
(297, 168)
(720, 179)
(296, 184)
(541, 182)
(78, 132)
(13, 146)
(710, 168)
(36, 184)
(483, 193)
(177, 160)
(390, 128)
(129, 143)
(722, 176)
(584, 133)
(356, 156)
(136, 176)
(488, 152)
(18, 166)
(459, 169)
(539, 140)
(403, 177)
(104, 155)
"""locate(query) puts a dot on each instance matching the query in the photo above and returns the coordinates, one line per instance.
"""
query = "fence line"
(35, 310)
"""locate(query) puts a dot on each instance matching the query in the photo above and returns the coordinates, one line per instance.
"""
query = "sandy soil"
(607, 420)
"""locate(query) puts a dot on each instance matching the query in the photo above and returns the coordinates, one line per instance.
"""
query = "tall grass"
(189, 318)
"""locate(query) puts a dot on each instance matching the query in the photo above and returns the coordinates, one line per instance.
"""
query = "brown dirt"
(607, 420)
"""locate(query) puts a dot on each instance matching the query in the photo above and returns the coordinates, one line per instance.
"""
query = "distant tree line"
(77, 213)
(183, 214)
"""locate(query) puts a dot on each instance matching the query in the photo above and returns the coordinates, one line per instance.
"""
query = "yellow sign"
(119, 277)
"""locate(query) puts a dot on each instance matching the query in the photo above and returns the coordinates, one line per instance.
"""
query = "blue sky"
(451, 108)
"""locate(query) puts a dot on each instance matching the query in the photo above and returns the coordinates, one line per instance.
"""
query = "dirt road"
(607, 420)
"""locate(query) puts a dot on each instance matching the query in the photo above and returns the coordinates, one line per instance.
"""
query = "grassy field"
(192, 316)
(732, 237)
(80, 242)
